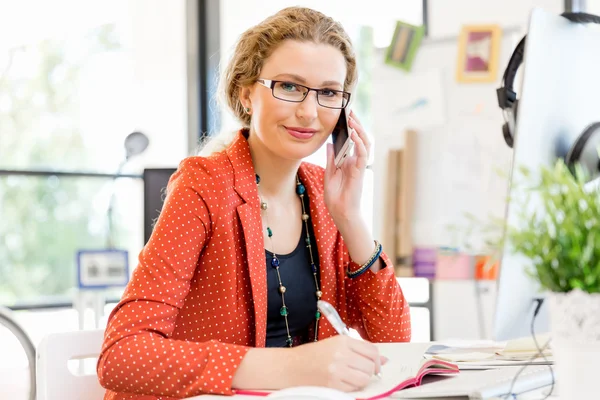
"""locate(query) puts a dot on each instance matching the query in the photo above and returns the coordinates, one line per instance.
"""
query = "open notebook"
(406, 368)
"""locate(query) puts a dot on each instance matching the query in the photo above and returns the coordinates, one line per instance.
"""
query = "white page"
(405, 359)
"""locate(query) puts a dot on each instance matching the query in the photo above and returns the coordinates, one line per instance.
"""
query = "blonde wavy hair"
(259, 42)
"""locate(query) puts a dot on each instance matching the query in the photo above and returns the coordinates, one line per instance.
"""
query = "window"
(76, 77)
(59, 82)
(47, 219)
(73, 85)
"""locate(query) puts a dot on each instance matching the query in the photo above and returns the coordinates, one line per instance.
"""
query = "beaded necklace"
(284, 311)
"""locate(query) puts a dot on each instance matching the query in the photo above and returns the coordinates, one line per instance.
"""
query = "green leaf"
(558, 227)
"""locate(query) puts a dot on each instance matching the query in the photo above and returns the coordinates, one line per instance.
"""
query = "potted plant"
(559, 233)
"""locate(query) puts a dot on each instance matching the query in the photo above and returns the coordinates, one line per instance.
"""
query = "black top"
(300, 295)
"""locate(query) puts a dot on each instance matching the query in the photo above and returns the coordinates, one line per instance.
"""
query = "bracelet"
(365, 267)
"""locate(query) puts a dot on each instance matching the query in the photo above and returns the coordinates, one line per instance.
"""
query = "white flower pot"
(575, 330)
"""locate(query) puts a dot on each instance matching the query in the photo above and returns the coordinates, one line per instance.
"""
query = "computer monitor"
(559, 97)
(155, 183)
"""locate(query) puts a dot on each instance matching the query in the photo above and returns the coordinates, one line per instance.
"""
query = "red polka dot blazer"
(198, 297)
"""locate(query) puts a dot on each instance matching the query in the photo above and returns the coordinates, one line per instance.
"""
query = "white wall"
(442, 198)
(459, 145)
(446, 17)
(459, 141)
(593, 7)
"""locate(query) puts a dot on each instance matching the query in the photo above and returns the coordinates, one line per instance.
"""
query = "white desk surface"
(534, 395)
(539, 394)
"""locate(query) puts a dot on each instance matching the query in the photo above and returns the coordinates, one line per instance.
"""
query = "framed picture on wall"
(478, 53)
(404, 45)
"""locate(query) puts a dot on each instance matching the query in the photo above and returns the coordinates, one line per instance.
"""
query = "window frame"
(202, 41)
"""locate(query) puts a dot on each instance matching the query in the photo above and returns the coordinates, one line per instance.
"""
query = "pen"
(336, 321)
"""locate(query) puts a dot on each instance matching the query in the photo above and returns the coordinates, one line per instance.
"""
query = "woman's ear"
(245, 97)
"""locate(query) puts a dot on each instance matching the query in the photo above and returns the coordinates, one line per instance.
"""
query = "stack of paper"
(491, 355)
(525, 348)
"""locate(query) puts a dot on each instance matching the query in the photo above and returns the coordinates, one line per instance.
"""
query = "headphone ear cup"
(507, 98)
(508, 138)
(509, 127)
(585, 151)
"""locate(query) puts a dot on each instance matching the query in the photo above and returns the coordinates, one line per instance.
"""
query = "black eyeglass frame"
(270, 83)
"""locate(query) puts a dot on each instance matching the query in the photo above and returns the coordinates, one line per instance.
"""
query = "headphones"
(584, 150)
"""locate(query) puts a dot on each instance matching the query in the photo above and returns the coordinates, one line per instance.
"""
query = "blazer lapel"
(252, 227)
(249, 214)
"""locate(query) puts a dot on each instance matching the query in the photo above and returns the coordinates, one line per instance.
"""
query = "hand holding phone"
(342, 143)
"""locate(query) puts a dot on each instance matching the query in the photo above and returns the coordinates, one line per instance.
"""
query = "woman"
(250, 237)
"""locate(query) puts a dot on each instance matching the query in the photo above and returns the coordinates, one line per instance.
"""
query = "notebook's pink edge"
(436, 371)
(402, 385)
(416, 381)
(259, 393)
(433, 362)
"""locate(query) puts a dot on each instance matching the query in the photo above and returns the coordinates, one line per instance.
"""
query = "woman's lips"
(301, 133)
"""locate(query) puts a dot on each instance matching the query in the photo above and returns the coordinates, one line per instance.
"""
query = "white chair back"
(54, 379)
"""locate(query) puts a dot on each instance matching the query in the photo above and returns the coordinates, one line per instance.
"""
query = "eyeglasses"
(296, 93)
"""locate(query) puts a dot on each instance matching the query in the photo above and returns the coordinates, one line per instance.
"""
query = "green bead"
(283, 311)
(289, 341)
(269, 231)
(308, 241)
(318, 314)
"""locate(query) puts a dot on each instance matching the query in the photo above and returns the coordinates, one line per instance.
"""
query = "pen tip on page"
(382, 361)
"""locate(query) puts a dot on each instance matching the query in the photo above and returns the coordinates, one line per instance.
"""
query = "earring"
(247, 109)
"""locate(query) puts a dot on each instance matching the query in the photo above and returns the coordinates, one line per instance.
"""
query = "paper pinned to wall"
(471, 162)
(476, 156)
(414, 100)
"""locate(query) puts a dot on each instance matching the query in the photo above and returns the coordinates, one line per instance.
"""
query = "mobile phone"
(342, 144)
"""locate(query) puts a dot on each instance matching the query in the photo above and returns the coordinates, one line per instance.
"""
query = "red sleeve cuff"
(384, 273)
(223, 361)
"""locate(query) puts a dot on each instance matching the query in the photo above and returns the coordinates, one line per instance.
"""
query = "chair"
(54, 379)
(8, 320)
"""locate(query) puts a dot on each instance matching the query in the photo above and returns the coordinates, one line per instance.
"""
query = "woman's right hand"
(339, 362)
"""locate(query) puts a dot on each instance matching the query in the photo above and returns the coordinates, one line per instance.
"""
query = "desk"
(539, 394)
(406, 359)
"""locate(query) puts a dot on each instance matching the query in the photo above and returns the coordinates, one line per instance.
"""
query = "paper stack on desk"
(525, 348)
(515, 352)
(497, 383)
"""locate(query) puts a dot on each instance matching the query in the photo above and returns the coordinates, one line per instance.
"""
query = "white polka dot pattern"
(197, 299)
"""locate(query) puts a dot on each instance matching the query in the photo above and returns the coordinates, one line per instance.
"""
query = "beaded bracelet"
(365, 267)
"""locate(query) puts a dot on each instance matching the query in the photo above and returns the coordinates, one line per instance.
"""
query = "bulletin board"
(462, 162)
